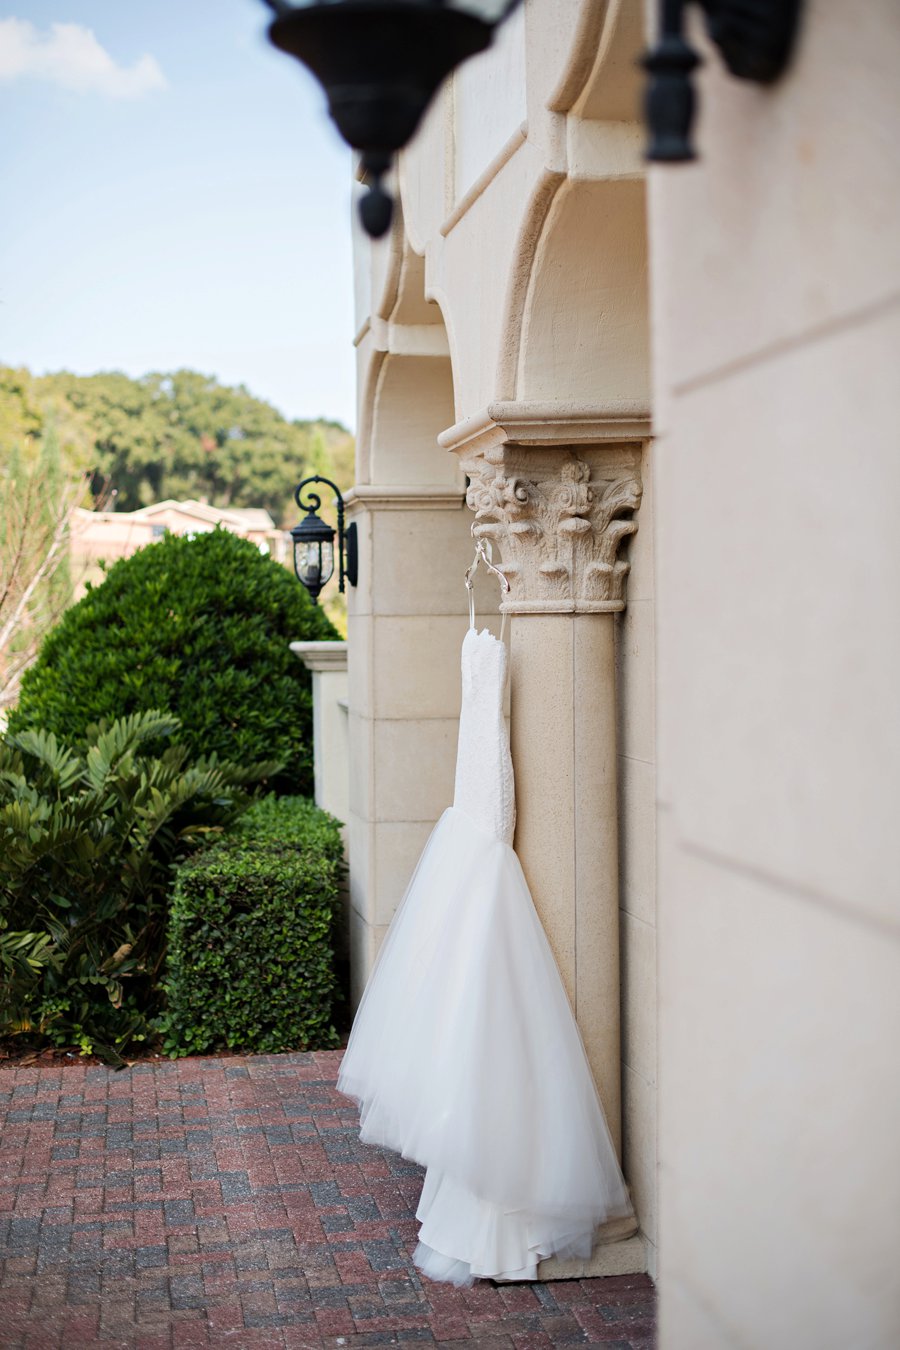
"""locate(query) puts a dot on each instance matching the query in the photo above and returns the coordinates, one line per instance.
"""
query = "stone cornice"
(322, 656)
(384, 497)
(548, 424)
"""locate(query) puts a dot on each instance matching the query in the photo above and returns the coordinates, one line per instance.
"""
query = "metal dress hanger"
(484, 554)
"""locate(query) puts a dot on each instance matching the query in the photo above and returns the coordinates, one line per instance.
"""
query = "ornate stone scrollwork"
(557, 520)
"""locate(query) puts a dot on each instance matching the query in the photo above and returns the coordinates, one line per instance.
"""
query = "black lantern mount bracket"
(756, 40)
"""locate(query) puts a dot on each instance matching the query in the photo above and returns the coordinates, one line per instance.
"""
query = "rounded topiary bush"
(196, 627)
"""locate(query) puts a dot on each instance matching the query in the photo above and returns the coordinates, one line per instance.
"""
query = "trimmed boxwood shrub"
(288, 821)
(250, 961)
(195, 627)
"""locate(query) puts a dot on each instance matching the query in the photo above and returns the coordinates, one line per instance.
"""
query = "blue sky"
(172, 194)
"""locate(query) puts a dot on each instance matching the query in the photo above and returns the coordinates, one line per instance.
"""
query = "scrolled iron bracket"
(348, 549)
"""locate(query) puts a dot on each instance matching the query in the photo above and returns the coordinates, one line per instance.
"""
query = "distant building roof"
(251, 518)
(254, 517)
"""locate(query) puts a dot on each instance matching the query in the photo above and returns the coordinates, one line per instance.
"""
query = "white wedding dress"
(464, 1055)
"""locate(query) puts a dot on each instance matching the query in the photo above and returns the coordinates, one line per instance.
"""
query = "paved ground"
(229, 1202)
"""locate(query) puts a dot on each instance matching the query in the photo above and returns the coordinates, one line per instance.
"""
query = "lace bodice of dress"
(484, 775)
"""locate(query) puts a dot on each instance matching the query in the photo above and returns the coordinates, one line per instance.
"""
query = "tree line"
(114, 443)
(177, 435)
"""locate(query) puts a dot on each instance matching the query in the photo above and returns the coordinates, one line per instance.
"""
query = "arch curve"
(584, 334)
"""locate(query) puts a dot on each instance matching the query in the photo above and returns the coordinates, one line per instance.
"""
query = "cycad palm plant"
(88, 838)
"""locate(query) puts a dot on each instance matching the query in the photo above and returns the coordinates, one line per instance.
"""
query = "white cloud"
(69, 55)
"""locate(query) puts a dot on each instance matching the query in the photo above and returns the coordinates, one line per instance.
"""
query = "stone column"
(556, 496)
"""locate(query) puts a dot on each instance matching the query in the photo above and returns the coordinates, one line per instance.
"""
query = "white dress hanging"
(465, 1056)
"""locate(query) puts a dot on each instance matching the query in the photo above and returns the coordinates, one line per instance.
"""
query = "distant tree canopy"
(180, 435)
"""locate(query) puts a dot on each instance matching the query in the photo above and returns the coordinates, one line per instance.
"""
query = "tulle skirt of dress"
(465, 1058)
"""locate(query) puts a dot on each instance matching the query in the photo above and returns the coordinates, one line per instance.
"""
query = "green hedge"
(250, 961)
(196, 627)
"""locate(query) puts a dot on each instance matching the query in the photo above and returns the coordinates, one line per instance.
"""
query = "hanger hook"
(484, 553)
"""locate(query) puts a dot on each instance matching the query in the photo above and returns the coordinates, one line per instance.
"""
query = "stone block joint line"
(215, 1202)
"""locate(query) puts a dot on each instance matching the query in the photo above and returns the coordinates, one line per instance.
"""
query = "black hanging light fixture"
(755, 38)
(380, 63)
(313, 540)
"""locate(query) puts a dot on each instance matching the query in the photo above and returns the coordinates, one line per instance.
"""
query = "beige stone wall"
(776, 307)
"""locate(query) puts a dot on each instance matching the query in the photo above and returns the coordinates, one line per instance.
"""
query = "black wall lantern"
(313, 542)
(755, 38)
(380, 63)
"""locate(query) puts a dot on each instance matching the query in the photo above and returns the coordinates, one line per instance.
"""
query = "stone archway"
(407, 617)
(539, 266)
(584, 331)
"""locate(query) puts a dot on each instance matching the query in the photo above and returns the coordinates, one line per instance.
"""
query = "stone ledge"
(536, 425)
(322, 656)
(385, 497)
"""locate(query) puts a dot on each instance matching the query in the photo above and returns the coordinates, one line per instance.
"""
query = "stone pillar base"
(618, 1250)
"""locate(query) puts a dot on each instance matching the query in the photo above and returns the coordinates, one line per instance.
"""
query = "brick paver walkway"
(229, 1202)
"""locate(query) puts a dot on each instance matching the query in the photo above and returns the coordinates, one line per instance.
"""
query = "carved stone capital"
(558, 526)
(555, 489)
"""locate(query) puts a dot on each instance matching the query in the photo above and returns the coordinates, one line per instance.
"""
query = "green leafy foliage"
(250, 961)
(23, 957)
(179, 434)
(199, 628)
(88, 837)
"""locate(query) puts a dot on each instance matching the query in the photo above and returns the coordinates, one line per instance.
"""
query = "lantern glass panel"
(326, 560)
(314, 562)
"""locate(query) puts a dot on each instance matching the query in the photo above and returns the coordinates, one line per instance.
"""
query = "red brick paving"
(230, 1203)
